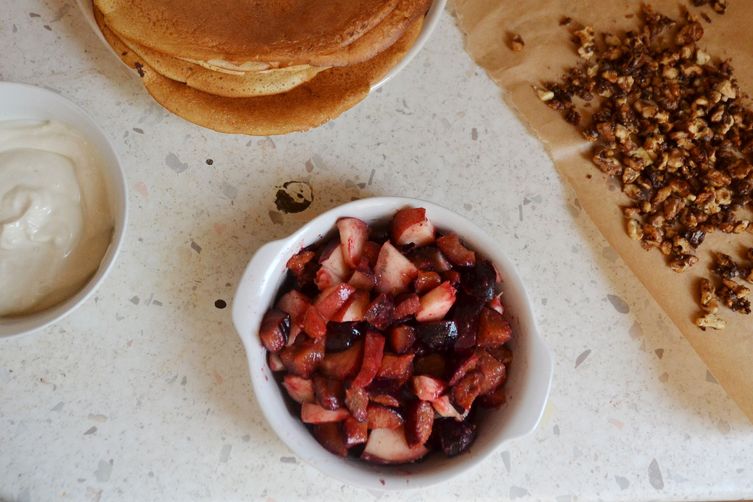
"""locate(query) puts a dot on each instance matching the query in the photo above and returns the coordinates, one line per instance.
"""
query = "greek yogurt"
(55, 218)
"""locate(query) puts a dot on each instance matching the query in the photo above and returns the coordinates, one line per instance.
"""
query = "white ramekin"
(26, 102)
(527, 386)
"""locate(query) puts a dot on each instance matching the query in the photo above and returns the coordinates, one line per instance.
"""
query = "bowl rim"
(120, 209)
(430, 23)
(274, 249)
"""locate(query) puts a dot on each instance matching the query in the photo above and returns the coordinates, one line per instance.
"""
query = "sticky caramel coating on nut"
(669, 123)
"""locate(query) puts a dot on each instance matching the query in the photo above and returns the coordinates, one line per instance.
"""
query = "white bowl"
(430, 22)
(26, 102)
(527, 386)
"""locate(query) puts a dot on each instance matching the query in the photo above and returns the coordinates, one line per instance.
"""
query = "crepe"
(221, 83)
(259, 78)
(377, 40)
(311, 104)
(239, 31)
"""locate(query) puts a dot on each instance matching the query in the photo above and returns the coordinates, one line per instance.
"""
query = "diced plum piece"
(385, 400)
(299, 389)
(380, 312)
(455, 251)
(493, 399)
(493, 329)
(328, 392)
(493, 372)
(312, 413)
(394, 272)
(353, 236)
(437, 335)
(496, 305)
(389, 446)
(465, 314)
(331, 437)
(362, 280)
(469, 364)
(427, 388)
(333, 299)
(419, 420)
(325, 278)
(426, 281)
(342, 335)
(407, 307)
(354, 309)
(274, 362)
(480, 281)
(402, 337)
(343, 365)
(431, 364)
(314, 324)
(436, 303)
(429, 259)
(274, 330)
(357, 401)
(445, 409)
(297, 262)
(452, 276)
(304, 356)
(467, 390)
(501, 354)
(333, 269)
(303, 266)
(396, 367)
(411, 226)
(355, 432)
(455, 437)
(372, 359)
(371, 252)
(294, 303)
(381, 417)
(333, 259)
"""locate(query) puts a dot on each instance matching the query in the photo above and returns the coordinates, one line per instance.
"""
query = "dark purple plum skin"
(437, 335)
(480, 281)
(454, 437)
(341, 335)
(465, 314)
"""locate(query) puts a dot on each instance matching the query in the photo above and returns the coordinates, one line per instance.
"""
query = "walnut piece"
(725, 266)
(734, 296)
(708, 299)
(712, 321)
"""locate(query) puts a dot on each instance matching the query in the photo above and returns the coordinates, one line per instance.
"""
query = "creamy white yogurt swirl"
(55, 218)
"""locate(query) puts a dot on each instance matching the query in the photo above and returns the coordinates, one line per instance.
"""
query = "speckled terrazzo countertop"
(143, 394)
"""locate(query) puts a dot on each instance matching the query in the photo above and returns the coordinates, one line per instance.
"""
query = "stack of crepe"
(260, 67)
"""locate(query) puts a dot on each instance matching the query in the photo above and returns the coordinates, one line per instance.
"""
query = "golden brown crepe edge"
(302, 108)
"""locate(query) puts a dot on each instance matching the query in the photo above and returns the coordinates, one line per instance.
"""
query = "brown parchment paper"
(488, 25)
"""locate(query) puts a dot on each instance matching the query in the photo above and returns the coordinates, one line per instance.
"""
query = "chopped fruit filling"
(411, 226)
(353, 236)
(385, 339)
(274, 330)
